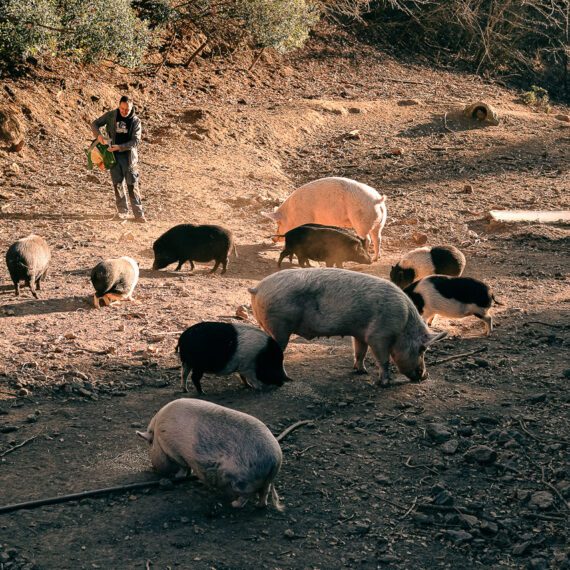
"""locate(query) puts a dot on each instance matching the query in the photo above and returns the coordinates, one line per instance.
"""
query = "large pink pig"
(335, 201)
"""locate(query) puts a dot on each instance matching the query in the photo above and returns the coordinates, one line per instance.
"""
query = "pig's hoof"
(239, 503)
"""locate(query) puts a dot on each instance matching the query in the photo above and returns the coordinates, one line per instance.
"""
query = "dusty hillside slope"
(371, 482)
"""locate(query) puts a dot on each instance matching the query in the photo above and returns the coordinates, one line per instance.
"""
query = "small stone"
(8, 428)
(136, 425)
(459, 536)
(32, 419)
(481, 362)
(388, 559)
(469, 520)
(399, 151)
(422, 519)
(449, 447)
(443, 498)
(355, 110)
(14, 168)
(521, 547)
(23, 392)
(289, 533)
(465, 431)
(419, 238)
(565, 118)
(69, 335)
(382, 479)
(481, 454)
(489, 527)
(85, 393)
(564, 488)
(536, 398)
(542, 500)
(438, 432)
(538, 564)
(353, 135)
(408, 102)
(468, 189)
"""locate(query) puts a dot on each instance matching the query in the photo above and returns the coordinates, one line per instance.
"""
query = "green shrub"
(281, 24)
(99, 29)
(26, 29)
(537, 98)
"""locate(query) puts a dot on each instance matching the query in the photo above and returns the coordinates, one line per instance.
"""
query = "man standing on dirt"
(124, 135)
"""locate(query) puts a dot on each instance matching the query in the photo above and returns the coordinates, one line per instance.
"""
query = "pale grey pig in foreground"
(424, 261)
(226, 449)
(453, 297)
(334, 201)
(28, 260)
(114, 280)
(337, 302)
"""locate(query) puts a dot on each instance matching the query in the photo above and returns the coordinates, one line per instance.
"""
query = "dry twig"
(13, 448)
(554, 489)
(458, 356)
(419, 466)
(296, 425)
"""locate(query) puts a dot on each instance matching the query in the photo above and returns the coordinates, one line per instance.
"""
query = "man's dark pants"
(123, 172)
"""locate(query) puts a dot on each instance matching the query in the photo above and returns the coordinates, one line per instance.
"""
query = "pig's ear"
(434, 337)
(275, 216)
(147, 436)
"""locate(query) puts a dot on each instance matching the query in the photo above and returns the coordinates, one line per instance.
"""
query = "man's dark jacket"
(109, 120)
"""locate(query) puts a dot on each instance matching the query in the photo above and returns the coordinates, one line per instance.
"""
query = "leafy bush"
(87, 29)
(537, 98)
(281, 24)
(102, 29)
(26, 28)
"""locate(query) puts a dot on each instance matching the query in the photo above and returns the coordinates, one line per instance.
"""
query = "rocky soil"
(468, 469)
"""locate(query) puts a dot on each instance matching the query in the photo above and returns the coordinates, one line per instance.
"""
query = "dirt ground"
(390, 477)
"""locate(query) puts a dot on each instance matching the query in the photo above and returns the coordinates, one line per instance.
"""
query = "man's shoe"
(120, 216)
(140, 220)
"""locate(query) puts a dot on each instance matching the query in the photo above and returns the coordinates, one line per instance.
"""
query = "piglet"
(226, 449)
(452, 297)
(323, 243)
(224, 348)
(28, 260)
(189, 243)
(424, 261)
(114, 280)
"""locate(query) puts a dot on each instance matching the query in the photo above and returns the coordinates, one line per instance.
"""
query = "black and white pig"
(337, 302)
(452, 297)
(28, 261)
(226, 449)
(424, 261)
(224, 348)
(323, 243)
(190, 243)
(114, 280)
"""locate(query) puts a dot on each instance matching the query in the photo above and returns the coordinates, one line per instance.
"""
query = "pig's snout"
(419, 375)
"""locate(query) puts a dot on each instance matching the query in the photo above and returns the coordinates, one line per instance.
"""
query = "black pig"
(323, 243)
(188, 242)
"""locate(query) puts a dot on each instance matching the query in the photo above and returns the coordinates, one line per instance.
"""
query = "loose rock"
(481, 454)
(542, 500)
(438, 432)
